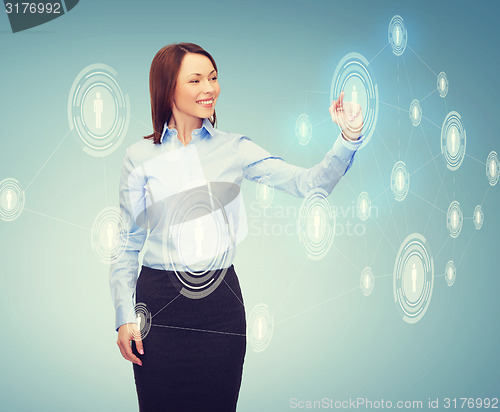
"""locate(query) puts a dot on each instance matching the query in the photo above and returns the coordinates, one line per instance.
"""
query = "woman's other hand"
(127, 333)
(348, 116)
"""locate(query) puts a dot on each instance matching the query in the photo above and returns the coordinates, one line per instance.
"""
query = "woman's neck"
(184, 126)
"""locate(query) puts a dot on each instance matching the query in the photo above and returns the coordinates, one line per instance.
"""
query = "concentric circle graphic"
(415, 112)
(143, 318)
(478, 217)
(454, 219)
(397, 35)
(453, 140)
(264, 192)
(450, 273)
(492, 168)
(98, 110)
(198, 236)
(260, 327)
(11, 199)
(442, 84)
(353, 77)
(316, 224)
(364, 206)
(109, 236)
(400, 181)
(303, 129)
(413, 278)
(367, 281)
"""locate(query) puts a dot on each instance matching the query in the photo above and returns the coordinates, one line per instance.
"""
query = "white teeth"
(206, 102)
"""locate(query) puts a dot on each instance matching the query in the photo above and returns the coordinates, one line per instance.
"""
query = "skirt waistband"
(153, 270)
(191, 285)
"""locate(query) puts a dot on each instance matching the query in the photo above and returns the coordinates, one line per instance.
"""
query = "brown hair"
(163, 79)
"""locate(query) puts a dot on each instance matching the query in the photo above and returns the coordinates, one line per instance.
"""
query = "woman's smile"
(205, 103)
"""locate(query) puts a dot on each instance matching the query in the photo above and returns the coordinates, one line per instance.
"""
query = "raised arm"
(256, 162)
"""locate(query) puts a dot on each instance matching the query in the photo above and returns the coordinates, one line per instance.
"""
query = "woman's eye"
(196, 81)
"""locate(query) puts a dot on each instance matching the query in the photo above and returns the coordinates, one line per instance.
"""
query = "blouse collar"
(205, 129)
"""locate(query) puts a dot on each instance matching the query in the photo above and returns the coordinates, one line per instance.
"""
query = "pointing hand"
(348, 116)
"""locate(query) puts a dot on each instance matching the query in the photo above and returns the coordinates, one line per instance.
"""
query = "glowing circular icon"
(450, 273)
(98, 110)
(198, 241)
(260, 327)
(353, 77)
(454, 219)
(400, 181)
(316, 224)
(442, 84)
(367, 281)
(264, 192)
(492, 168)
(415, 112)
(364, 206)
(413, 278)
(303, 129)
(143, 319)
(397, 35)
(109, 236)
(478, 217)
(453, 140)
(11, 199)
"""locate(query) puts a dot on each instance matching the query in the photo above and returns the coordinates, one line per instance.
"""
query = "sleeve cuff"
(124, 315)
(353, 144)
(344, 149)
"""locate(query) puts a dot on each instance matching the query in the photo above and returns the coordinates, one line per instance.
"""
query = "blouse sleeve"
(124, 270)
(257, 163)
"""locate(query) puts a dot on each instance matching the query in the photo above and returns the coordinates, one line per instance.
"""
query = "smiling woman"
(195, 93)
(182, 78)
(180, 191)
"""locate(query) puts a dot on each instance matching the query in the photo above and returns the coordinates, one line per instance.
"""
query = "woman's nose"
(208, 88)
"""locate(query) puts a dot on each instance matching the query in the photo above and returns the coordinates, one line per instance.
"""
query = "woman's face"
(197, 87)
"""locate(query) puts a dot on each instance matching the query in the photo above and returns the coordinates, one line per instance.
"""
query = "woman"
(177, 182)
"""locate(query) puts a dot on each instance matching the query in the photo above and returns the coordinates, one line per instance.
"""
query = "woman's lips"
(204, 103)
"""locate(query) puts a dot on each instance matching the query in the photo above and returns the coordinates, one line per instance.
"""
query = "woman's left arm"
(258, 163)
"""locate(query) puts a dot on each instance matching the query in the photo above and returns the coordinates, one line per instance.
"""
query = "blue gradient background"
(276, 60)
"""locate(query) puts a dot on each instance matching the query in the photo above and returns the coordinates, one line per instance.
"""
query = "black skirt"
(195, 348)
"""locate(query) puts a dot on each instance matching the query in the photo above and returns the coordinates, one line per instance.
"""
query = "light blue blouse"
(164, 188)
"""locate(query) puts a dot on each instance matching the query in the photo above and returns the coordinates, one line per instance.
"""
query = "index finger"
(336, 104)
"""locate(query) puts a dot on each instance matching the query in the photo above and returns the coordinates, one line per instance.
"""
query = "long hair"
(162, 81)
